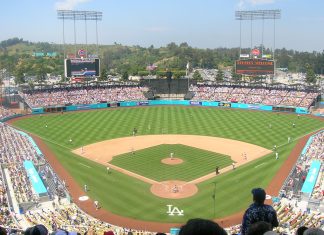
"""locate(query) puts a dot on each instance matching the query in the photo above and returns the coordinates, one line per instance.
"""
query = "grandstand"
(251, 95)
(279, 98)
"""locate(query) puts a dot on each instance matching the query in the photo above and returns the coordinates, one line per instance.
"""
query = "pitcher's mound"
(174, 189)
(173, 161)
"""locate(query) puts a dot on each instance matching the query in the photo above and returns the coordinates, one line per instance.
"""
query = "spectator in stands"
(201, 226)
(36, 230)
(314, 231)
(259, 228)
(301, 230)
(3, 231)
(258, 211)
(4, 112)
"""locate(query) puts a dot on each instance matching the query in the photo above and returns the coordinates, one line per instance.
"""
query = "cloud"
(243, 3)
(69, 4)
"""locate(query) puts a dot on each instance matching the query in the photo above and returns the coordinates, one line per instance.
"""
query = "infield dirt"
(103, 152)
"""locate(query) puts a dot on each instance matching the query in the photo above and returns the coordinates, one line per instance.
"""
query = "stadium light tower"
(79, 15)
(259, 15)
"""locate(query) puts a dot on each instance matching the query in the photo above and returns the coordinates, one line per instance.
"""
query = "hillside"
(16, 56)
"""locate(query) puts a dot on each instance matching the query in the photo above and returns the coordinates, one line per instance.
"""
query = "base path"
(103, 152)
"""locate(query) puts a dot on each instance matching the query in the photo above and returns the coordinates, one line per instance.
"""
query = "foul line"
(80, 163)
(260, 164)
(299, 137)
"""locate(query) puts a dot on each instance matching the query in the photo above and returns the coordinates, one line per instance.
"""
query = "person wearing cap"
(38, 229)
(258, 211)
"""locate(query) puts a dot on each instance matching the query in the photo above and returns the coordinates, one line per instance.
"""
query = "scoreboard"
(78, 67)
(254, 67)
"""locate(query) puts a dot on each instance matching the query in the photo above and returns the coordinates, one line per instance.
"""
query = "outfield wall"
(297, 110)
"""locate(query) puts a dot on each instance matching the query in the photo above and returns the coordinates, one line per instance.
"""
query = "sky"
(200, 23)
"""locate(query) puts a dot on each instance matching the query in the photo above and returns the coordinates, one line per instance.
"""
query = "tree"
(125, 75)
(310, 74)
(41, 69)
(103, 75)
(236, 77)
(197, 76)
(220, 75)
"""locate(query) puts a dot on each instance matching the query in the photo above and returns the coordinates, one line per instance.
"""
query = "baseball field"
(126, 189)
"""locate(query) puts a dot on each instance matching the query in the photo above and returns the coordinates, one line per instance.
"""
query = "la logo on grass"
(173, 210)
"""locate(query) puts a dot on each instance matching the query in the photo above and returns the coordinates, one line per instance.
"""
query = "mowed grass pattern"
(130, 197)
(147, 162)
(248, 126)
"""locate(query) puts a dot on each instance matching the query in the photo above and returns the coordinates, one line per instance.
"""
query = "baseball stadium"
(151, 164)
(145, 156)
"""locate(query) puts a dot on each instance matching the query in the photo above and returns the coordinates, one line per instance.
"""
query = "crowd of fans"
(4, 112)
(89, 95)
(71, 218)
(290, 219)
(5, 212)
(297, 177)
(254, 95)
(14, 149)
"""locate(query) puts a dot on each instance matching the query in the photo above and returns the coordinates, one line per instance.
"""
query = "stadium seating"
(4, 112)
(254, 95)
(89, 95)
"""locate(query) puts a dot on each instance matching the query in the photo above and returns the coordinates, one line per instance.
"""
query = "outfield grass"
(130, 197)
(196, 162)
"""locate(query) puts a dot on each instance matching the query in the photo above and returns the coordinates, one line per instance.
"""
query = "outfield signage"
(196, 103)
(224, 104)
(143, 103)
(254, 67)
(83, 107)
(253, 106)
(173, 102)
(34, 178)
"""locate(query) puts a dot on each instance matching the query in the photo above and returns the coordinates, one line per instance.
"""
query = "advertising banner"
(196, 103)
(34, 178)
(311, 178)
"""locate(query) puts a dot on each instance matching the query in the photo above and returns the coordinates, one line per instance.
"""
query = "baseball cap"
(259, 194)
(38, 229)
